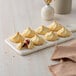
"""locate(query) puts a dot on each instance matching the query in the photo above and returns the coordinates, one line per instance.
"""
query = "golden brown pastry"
(16, 38)
(37, 40)
(64, 32)
(31, 45)
(20, 45)
(51, 36)
(55, 26)
(42, 30)
(26, 44)
(29, 33)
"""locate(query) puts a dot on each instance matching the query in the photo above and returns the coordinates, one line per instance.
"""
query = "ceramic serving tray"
(37, 48)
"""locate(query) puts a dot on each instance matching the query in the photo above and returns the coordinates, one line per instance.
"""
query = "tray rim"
(23, 52)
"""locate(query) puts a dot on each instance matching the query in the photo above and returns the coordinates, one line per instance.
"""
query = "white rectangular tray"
(71, 27)
(37, 48)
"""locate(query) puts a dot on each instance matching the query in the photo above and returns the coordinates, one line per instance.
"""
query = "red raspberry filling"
(26, 42)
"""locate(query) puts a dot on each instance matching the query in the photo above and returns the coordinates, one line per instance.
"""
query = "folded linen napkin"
(64, 52)
(67, 68)
(67, 60)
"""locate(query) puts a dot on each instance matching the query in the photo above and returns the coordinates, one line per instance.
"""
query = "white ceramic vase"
(47, 12)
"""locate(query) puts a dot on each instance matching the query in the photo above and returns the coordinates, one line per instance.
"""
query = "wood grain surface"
(16, 15)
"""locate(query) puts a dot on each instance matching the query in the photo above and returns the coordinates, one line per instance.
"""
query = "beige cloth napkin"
(64, 52)
(68, 65)
(67, 68)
